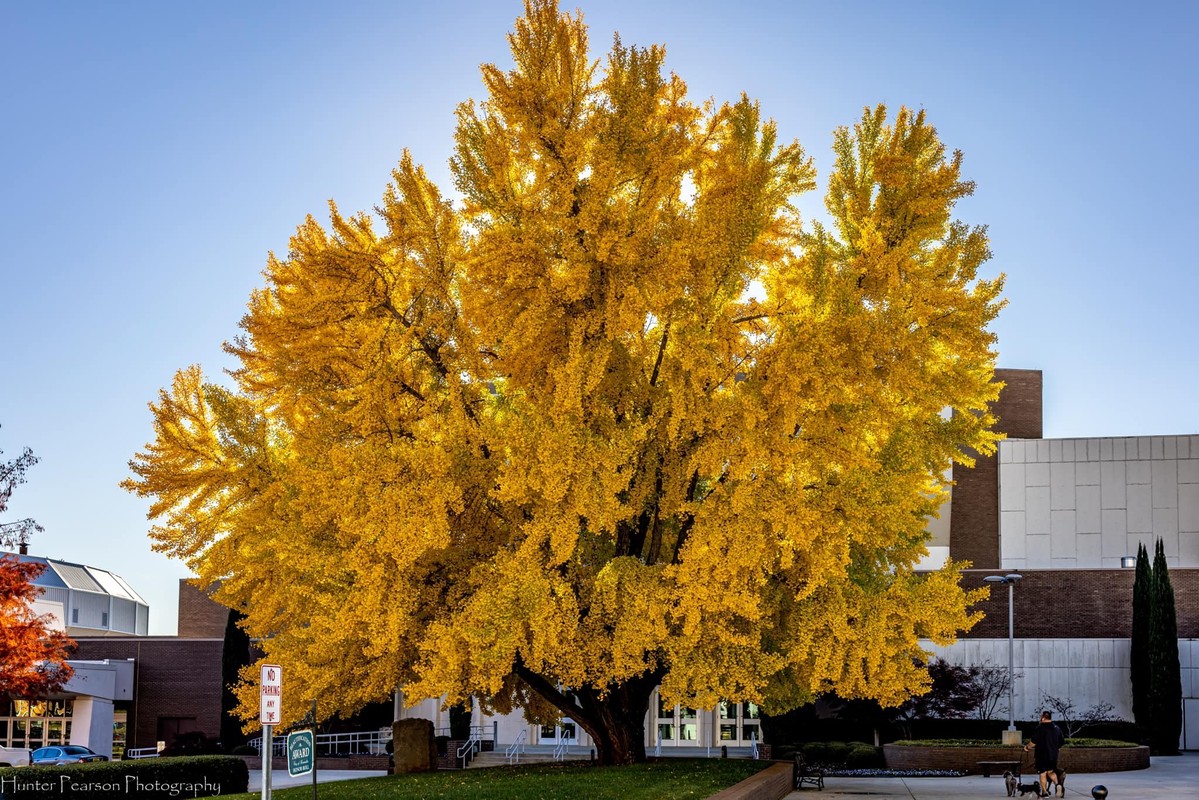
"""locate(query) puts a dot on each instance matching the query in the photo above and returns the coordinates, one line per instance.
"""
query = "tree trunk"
(616, 722)
(614, 719)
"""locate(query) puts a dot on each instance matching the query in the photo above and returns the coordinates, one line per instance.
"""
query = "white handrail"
(141, 752)
(471, 745)
(516, 748)
(373, 742)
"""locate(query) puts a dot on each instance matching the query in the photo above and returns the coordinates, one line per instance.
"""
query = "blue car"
(65, 754)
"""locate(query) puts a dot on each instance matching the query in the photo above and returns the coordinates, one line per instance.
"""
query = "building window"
(120, 731)
(74, 616)
(104, 619)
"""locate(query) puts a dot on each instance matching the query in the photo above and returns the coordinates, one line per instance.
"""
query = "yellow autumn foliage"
(617, 414)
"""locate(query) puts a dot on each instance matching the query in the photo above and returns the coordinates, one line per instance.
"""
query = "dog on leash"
(1033, 788)
(1058, 777)
(1054, 784)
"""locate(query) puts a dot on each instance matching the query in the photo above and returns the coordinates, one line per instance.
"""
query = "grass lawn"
(666, 779)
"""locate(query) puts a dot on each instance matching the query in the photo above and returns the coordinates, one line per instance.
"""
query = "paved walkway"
(1175, 777)
(1168, 778)
(281, 780)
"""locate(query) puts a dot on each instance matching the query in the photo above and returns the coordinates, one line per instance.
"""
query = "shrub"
(243, 750)
(837, 753)
(815, 752)
(145, 779)
(863, 756)
(1082, 742)
(950, 743)
(855, 755)
(192, 743)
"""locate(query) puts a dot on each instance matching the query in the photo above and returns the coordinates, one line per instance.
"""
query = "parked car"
(65, 754)
(13, 757)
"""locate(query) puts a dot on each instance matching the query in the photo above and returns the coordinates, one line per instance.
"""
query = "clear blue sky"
(153, 152)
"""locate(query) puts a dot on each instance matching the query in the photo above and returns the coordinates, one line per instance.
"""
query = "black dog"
(1056, 776)
(1033, 788)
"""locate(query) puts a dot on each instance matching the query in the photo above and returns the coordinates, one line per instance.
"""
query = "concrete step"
(541, 754)
(496, 758)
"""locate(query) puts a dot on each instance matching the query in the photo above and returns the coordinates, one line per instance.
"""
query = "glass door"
(739, 723)
(666, 722)
(564, 731)
(677, 725)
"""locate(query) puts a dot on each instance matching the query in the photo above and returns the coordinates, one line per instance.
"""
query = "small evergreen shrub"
(815, 752)
(1077, 742)
(863, 756)
(837, 753)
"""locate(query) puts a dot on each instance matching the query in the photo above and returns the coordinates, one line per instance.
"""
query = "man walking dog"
(1046, 741)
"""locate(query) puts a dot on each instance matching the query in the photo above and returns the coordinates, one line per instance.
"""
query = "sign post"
(270, 707)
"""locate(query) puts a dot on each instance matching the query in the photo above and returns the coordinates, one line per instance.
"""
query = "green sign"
(300, 753)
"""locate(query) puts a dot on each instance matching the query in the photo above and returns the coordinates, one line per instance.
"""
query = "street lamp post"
(1011, 735)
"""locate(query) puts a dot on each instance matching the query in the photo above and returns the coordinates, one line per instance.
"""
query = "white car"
(13, 757)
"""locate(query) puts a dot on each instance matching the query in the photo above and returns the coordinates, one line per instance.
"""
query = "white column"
(91, 724)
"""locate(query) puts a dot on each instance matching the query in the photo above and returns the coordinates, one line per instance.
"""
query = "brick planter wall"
(450, 760)
(772, 783)
(1072, 759)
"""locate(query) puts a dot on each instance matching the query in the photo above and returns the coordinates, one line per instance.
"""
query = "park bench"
(998, 766)
(807, 774)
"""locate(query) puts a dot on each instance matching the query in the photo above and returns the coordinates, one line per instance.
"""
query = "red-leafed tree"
(33, 658)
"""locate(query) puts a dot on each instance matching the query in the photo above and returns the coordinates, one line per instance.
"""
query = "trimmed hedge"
(842, 755)
(1079, 742)
(143, 779)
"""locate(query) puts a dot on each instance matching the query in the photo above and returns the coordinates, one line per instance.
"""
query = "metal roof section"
(49, 578)
(93, 601)
(108, 582)
(128, 589)
(76, 576)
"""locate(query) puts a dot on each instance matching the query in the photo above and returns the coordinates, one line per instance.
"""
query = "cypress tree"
(1165, 697)
(235, 654)
(1142, 678)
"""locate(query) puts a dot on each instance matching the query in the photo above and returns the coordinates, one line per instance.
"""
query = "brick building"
(129, 690)
(1067, 515)
(177, 679)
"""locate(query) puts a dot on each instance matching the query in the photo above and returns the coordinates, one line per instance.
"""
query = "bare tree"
(12, 474)
(1073, 722)
(993, 683)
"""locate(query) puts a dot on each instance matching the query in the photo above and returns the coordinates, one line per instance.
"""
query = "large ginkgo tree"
(610, 418)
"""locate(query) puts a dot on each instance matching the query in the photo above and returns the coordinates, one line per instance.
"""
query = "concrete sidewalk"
(281, 780)
(1175, 777)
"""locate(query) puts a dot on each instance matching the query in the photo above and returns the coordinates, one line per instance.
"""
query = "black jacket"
(1048, 738)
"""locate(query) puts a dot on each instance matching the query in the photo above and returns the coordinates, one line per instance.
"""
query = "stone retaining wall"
(1072, 759)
